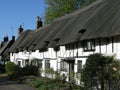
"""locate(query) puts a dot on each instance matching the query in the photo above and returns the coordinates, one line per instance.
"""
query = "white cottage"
(65, 44)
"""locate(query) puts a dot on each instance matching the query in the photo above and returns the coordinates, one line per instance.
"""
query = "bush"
(30, 70)
(43, 87)
(13, 70)
(35, 83)
(10, 67)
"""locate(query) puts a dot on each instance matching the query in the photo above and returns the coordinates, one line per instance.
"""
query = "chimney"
(13, 38)
(1, 44)
(39, 23)
(5, 38)
(20, 30)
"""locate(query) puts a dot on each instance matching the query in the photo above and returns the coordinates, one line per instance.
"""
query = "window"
(26, 62)
(39, 63)
(19, 63)
(12, 54)
(63, 66)
(79, 66)
(56, 48)
(34, 62)
(89, 45)
(47, 64)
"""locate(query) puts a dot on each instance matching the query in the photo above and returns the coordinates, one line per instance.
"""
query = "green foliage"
(10, 66)
(98, 70)
(58, 8)
(30, 70)
(35, 83)
(57, 76)
(49, 72)
(13, 70)
(47, 83)
(43, 87)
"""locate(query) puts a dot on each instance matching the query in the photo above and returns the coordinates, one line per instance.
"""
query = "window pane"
(39, 64)
(63, 66)
(89, 45)
(19, 63)
(79, 66)
(47, 64)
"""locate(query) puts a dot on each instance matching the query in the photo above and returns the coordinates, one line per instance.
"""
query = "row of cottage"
(65, 44)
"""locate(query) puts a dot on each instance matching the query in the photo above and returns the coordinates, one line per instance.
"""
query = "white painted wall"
(77, 54)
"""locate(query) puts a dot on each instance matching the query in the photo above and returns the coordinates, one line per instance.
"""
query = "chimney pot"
(20, 30)
(39, 23)
(38, 18)
(13, 38)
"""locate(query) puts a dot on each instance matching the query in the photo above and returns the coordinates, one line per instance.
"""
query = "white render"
(55, 57)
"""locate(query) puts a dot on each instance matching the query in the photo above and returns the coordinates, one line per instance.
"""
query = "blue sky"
(14, 13)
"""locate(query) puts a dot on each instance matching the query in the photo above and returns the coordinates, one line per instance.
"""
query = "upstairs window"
(89, 45)
(57, 49)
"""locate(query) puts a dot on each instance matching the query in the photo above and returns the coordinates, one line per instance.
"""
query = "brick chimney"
(39, 23)
(20, 30)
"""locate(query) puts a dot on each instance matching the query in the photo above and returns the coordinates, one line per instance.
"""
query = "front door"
(71, 69)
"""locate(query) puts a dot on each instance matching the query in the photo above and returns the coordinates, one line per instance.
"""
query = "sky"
(14, 13)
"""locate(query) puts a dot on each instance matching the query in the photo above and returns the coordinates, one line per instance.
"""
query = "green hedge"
(30, 70)
(14, 71)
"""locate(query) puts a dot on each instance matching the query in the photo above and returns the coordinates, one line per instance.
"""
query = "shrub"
(35, 83)
(13, 70)
(30, 70)
(43, 87)
(10, 67)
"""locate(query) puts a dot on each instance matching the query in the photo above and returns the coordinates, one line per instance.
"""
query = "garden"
(99, 73)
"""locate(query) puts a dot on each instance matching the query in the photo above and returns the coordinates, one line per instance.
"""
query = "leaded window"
(47, 64)
(79, 66)
(39, 63)
(63, 66)
(89, 45)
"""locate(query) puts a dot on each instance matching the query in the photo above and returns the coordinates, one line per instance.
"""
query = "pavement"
(6, 84)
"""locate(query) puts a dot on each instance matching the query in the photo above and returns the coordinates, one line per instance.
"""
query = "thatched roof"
(106, 21)
(4, 46)
(100, 19)
(20, 41)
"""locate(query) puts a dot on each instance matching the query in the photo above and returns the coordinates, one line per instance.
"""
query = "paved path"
(6, 84)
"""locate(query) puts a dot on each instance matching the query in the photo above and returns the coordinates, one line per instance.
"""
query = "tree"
(58, 8)
(99, 70)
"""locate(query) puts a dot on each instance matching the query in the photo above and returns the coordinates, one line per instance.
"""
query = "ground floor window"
(47, 64)
(39, 63)
(63, 66)
(79, 66)
(26, 62)
(19, 63)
